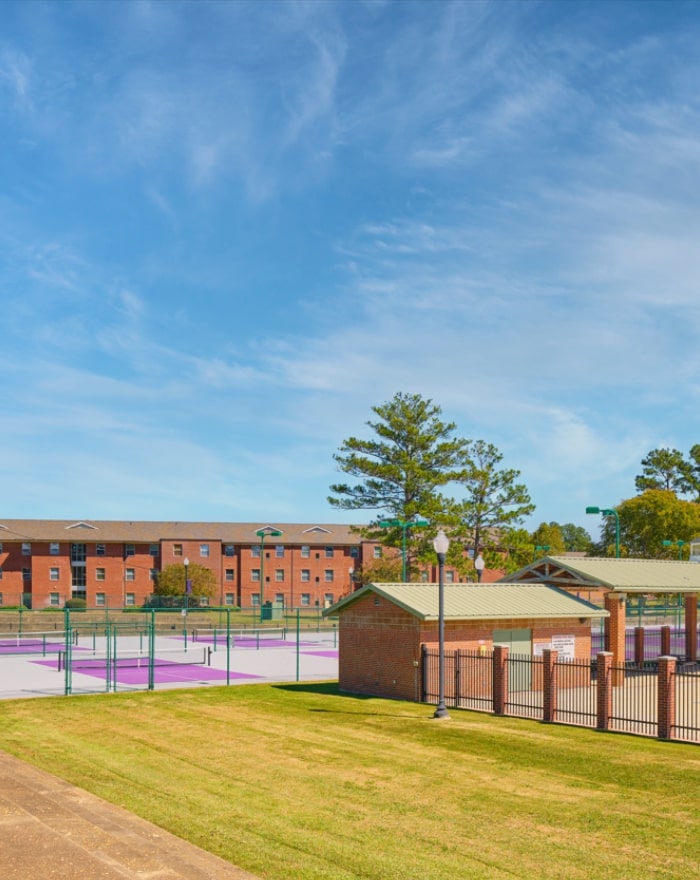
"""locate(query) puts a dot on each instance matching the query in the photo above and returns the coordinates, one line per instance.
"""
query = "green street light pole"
(404, 525)
(540, 547)
(262, 534)
(608, 511)
(188, 583)
(679, 544)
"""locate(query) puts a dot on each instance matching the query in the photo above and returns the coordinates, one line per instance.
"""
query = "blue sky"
(228, 230)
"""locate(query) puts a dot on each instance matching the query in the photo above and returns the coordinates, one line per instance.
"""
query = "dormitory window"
(154, 550)
(377, 552)
(54, 600)
(26, 549)
(100, 550)
(229, 599)
(306, 574)
(279, 551)
(255, 574)
(279, 575)
(255, 551)
(177, 549)
(53, 573)
(306, 598)
(130, 599)
(53, 549)
(26, 574)
(129, 549)
(229, 574)
(99, 598)
(131, 574)
(305, 552)
(99, 574)
(329, 553)
(204, 550)
(328, 575)
(229, 550)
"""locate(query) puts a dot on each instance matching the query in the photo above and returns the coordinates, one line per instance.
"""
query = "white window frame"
(54, 548)
(130, 575)
(204, 551)
(100, 574)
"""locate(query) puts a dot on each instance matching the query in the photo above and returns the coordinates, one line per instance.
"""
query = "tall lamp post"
(404, 525)
(679, 544)
(188, 582)
(262, 534)
(608, 511)
(441, 545)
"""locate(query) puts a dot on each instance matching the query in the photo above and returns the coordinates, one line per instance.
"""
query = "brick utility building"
(114, 563)
(383, 628)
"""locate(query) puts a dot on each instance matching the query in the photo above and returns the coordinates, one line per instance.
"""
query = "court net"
(219, 635)
(104, 661)
(34, 642)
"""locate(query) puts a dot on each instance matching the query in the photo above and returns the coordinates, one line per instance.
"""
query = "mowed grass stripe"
(298, 781)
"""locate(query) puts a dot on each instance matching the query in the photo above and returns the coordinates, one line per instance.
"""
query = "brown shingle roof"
(150, 532)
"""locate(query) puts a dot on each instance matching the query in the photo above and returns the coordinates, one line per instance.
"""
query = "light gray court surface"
(251, 661)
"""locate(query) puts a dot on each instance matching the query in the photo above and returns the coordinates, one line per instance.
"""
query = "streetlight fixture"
(441, 545)
(540, 548)
(404, 525)
(679, 544)
(262, 534)
(188, 582)
(608, 511)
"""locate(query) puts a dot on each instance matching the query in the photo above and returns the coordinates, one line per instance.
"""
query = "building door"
(519, 643)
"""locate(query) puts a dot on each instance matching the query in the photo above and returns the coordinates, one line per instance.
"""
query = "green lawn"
(297, 781)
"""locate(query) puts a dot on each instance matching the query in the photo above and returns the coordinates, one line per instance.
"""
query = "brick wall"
(380, 644)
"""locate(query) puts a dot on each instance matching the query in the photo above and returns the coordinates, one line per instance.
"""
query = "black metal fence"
(568, 691)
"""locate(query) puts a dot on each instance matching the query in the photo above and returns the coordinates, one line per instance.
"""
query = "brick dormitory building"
(115, 563)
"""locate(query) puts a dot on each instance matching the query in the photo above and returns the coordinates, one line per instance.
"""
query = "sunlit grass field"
(299, 781)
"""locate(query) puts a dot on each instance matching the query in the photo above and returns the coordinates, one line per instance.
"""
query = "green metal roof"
(477, 601)
(622, 575)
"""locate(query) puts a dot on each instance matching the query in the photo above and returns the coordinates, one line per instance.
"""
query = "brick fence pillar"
(615, 604)
(691, 627)
(639, 645)
(665, 641)
(500, 679)
(666, 696)
(549, 685)
(604, 662)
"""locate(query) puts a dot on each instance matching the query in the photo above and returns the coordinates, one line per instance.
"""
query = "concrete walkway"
(51, 830)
